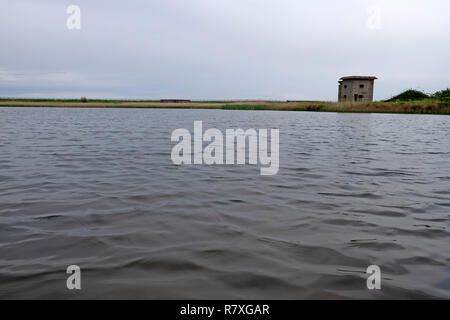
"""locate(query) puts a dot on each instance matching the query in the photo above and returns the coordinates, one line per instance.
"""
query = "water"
(97, 188)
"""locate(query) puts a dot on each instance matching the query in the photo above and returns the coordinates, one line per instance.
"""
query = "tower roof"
(358, 78)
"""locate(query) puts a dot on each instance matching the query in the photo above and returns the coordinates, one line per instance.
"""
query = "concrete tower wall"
(356, 90)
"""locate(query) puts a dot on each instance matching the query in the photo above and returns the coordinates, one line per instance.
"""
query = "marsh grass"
(76, 100)
(425, 106)
(243, 107)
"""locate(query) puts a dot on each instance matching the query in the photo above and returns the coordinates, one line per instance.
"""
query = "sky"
(221, 49)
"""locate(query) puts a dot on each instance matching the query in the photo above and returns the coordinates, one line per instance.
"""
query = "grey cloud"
(203, 49)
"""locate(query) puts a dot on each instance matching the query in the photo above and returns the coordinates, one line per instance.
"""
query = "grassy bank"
(426, 106)
(414, 107)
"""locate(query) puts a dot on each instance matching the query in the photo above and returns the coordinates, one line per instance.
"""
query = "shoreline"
(411, 107)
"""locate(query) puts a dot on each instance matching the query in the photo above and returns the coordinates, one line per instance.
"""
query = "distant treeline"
(415, 95)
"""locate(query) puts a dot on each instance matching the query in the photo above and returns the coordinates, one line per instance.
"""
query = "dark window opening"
(345, 86)
(361, 96)
(345, 96)
(361, 86)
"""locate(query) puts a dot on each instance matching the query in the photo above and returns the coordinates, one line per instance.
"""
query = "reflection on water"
(97, 188)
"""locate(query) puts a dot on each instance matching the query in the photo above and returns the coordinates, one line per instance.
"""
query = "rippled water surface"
(97, 188)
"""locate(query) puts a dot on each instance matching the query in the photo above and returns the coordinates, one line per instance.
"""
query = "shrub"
(409, 95)
(443, 95)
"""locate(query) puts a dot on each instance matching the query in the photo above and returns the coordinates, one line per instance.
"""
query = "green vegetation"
(414, 95)
(409, 95)
(410, 101)
(443, 95)
(427, 106)
(243, 107)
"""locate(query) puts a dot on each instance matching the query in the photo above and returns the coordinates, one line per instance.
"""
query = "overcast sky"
(221, 49)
